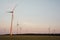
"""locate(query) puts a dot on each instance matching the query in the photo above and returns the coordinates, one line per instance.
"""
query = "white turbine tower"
(12, 12)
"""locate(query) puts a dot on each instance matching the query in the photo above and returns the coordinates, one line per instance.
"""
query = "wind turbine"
(20, 29)
(17, 27)
(12, 16)
(49, 29)
(54, 31)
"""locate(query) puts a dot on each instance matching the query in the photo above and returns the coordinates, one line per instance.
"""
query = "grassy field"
(24, 37)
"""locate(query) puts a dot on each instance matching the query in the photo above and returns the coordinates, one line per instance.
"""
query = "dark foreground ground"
(30, 37)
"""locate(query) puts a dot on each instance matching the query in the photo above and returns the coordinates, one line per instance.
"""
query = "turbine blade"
(14, 8)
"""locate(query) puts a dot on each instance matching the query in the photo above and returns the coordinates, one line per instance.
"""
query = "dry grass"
(24, 37)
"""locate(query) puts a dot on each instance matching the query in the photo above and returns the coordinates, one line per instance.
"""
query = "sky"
(33, 16)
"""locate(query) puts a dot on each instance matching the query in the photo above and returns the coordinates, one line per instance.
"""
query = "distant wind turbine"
(20, 29)
(49, 29)
(54, 31)
(17, 27)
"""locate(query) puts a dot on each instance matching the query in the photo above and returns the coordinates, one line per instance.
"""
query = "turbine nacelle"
(11, 12)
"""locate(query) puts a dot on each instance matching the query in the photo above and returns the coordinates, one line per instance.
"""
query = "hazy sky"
(33, 16)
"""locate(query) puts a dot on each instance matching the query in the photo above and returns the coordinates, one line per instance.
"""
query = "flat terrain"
(29, 37)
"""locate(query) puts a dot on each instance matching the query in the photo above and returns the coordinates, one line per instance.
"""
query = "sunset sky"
(33, 16)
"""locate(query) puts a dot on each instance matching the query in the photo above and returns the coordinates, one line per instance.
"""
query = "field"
(29, 37)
